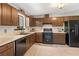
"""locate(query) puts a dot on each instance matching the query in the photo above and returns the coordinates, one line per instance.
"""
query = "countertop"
(7, 38)
(52, 32)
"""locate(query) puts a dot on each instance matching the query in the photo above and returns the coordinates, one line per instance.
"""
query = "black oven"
(47, 36)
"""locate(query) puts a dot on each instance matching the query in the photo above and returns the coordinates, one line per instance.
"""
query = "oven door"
(47, 37)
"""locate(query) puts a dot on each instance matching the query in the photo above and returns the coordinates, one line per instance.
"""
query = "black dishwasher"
(20, 47)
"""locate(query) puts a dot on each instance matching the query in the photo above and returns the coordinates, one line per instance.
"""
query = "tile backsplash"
(4, 29)
(7, 29)
(55, 29)
(58, 29)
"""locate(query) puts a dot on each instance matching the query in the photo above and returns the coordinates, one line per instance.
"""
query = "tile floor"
(39, 49)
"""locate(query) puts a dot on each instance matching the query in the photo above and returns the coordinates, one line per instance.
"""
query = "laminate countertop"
(7, 38)
(52, 32)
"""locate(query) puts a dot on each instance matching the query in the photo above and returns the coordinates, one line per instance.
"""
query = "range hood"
(46, 15)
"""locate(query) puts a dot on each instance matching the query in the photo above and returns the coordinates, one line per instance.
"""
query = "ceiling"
(40, 9)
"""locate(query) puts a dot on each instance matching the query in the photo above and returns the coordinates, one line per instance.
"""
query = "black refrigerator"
(73, 31)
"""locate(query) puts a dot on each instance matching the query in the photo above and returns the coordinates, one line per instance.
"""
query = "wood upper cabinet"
(57, 21)
(66, 18)
(31, 21)
(6, 14)
(0, 14)
(14, 17)
(39, 37)
(38, 21)
(47, 20)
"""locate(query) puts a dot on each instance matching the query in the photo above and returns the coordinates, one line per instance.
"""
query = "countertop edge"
(21, 36)
(16, 38)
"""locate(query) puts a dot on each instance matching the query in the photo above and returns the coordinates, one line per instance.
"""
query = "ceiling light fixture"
(60, 5)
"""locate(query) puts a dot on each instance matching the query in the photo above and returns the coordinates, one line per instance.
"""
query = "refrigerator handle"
(76, 30)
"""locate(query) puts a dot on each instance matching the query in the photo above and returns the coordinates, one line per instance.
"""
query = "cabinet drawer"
(5, 47)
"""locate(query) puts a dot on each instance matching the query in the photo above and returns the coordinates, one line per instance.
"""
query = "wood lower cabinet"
(59, 38)
(39, 37)
(7, 50)
(27, 43)
(30, 40)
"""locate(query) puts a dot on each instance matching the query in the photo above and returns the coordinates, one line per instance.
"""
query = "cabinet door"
(31, 21)
(7, 49)
(38, 37)
(0, 13)
(14, 17)
(6, 14)
(32, 37)
(27, 43)
(8, 52)
(30, 40)
(59, 38)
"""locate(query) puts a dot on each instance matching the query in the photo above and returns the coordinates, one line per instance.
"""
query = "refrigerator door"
(72, 32)
(77, 34)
